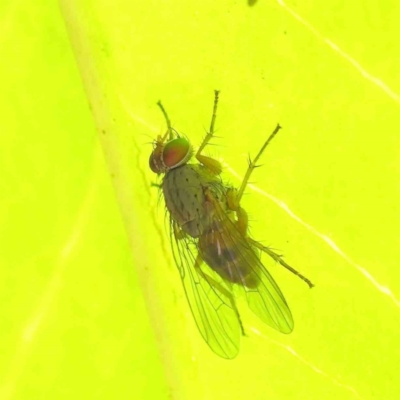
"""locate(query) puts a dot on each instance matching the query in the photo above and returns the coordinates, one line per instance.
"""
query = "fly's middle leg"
(234, 196)
(233, 201)
(242, 219)
(213, 165)
(253, 165)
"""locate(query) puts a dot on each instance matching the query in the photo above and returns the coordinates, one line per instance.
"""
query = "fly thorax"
(183, 189)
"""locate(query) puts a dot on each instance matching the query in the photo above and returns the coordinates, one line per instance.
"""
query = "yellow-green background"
(91, 303)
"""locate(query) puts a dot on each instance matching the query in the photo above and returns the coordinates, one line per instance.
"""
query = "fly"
(210, 242)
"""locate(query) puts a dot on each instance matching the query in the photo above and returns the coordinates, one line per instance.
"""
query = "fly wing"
(212, 307)
(263, 295)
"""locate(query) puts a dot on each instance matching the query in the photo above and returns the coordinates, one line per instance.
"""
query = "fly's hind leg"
(213, 165)
(220, 288)
(242, 225)
(280, 260)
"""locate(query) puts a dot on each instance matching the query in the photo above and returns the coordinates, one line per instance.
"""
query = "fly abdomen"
(227, 258)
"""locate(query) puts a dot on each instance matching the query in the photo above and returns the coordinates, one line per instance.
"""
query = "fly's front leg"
(169, 133)
(216, 285)
(213, 165)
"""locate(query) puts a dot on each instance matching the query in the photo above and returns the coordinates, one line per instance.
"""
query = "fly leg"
(233, 201)
(242, 225)
(216, 285)
(234, 196)
(253, 165)
(280, 260)
(170, 132)
(213, 165)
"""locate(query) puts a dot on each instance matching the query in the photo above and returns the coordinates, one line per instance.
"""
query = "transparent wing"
(211, 303)
(243, 266)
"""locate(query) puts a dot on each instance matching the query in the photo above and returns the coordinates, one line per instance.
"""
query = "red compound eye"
(176, 152)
